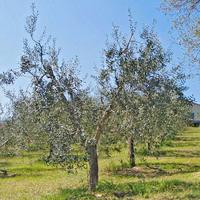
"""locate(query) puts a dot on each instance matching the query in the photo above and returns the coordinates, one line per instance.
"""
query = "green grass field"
(174, 175)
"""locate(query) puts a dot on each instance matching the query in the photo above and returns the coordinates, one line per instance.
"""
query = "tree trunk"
(50, 156)
(93, 167)
(131, 152)
(149, 147)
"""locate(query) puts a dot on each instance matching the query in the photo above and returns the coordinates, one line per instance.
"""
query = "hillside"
(174, 175)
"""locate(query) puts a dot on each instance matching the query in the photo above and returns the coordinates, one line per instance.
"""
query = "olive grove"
(138, 99)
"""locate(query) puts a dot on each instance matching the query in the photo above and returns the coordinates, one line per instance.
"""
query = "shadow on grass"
(5, 164)
(109, 190)
(151, 170)
(180, 153)
(187, 138)
(183, 144)
(175, 168)
(31, 171)
(25, 174)
(142, 187)
(35, 169)
(72, 194)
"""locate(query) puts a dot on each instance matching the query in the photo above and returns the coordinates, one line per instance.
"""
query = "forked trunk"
(131, 152)
(93, 167)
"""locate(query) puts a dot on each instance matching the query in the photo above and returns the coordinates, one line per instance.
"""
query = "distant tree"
(6, 135)
(146, 101)
(165, 117)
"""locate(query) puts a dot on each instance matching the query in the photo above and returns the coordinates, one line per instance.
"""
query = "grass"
(174, 175)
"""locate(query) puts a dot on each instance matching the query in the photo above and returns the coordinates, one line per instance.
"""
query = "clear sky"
(81, 28)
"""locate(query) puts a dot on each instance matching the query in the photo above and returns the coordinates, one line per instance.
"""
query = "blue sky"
(81, 28)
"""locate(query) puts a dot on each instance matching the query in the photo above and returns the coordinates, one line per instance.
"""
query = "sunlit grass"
(175, 174)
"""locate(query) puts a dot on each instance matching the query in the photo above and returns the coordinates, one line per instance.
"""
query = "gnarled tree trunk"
(131, 152)
(92, 150)
(93, 166)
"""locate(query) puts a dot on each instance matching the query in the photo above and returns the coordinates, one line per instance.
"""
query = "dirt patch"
(146, 171)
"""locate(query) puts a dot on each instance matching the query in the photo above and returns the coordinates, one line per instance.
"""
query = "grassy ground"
(174, 175)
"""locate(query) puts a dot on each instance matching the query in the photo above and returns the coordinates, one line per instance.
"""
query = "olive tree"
(60, 104)
(147, 89)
